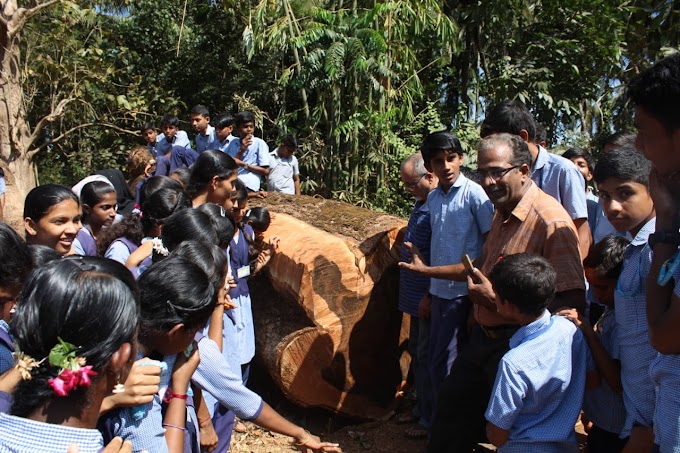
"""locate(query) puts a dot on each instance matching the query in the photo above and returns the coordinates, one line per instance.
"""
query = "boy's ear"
(29, 226)
(525, 136)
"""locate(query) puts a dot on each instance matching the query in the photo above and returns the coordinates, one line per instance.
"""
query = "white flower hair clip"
(158, 247)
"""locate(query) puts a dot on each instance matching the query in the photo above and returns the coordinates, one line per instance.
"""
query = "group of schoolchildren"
(510, 348)
(126, 312)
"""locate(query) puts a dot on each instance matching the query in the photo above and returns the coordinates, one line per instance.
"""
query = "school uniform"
(121, 249)
(207, 141)
(21, 435)
(163, 145)
(240, 265)
(282, 171)
(459, 218)
(539, 387)
(561, 179)
(636, 352)
(256, 154)
(84, 243)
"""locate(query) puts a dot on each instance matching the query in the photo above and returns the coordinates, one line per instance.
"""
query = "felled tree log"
(326, 320)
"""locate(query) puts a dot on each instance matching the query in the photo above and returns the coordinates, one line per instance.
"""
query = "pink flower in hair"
(84, 374)
(59, 386)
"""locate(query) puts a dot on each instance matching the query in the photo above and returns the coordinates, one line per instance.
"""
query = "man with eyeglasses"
(526, 221)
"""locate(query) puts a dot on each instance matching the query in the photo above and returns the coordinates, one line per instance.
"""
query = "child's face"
(285, 151)
(149, 136)
(246, 129)
(199, 122)
(223, 133)
(104, 212)
(659, 145)
(169, 131)
(603, 287)
(240, 210)
(8, 300)
(56, 229)
(582, 166)
(222, 189)
(626, 203)
(446, 166)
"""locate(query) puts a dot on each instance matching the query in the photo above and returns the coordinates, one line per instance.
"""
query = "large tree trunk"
(326, 318)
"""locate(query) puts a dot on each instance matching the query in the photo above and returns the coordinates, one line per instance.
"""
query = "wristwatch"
(666, 237)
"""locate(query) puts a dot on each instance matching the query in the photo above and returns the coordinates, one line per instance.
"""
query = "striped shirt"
(412, 286)
(539, 386)
(538, 225)
(561, 179)
(21, 435)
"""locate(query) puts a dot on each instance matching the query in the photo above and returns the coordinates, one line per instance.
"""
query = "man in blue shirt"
(250, 153)
(553, 174)
(414, 298)
(205, 133)
(540, 383)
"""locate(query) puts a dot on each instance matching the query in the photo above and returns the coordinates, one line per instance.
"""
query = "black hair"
(657, 90)
(183, 175)
(438, 141)
(15, 258)
(470, 174)
(161, 205)
(241, 190)
(526, 281)
(146, 126)
(58, 301)
(623, 138)
(209, 164)
(223, 120)
(170, 120)
(200, 110)
(174, 291)
(259, 218)
(155, 183)
(575, 152)
(541, 134)
(290, 141)
(210, 258)
(41, 199)
(188, 225)
(92, 193)
(518, 147)
(509, 116)
(129, 227)
(606, 257)
(244, 118)
(221, 221)
(623, 163)
(42, 254)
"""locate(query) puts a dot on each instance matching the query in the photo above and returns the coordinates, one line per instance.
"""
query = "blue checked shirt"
(207, 141)
(6, 357)
(459, 219)
(412, 287)
(560, 178)
(21, 435)
(602, 405)
(665, 372)
(636, 353)
(256, 154)
(539, 387)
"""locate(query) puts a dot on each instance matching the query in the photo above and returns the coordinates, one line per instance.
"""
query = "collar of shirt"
(530, 329)
(460, 180)
(541, 159)
(421, 206)
(643, 235)
(524, 206)
(208, 132)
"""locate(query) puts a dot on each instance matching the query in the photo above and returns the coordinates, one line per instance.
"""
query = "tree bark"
(326, 318)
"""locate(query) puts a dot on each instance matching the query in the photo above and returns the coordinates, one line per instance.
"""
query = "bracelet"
(307, 436)
(169, 395)
(168, 425)
(204, 422)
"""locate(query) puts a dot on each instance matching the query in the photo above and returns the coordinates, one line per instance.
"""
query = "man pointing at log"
(526, 221)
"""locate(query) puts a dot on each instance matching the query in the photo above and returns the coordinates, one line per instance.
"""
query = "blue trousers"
(448, 334)
(418, 346)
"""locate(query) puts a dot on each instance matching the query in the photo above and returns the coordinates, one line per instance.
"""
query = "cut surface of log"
(326, 318)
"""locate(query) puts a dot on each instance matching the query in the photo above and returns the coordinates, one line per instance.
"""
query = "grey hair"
(519, 148)
(418, 164)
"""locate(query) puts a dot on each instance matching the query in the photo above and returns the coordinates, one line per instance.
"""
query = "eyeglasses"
(413, 185)
(495, 173)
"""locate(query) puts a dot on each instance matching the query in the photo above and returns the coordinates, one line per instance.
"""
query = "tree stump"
(326, 320)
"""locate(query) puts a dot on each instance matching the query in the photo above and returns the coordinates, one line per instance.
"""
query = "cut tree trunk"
(326, 320)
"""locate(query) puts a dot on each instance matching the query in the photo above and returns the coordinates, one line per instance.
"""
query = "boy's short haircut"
(509, 116)
(657, 90)
(438, 141)
(526, 281)
(620, 139)
(244, 118)
(146, 126)
(606, 257)
(623, 163)
(170, 120)
(200, 110)
(223, 120)
(541, 133)
(290, 141)
(573, 153)
(520, 150)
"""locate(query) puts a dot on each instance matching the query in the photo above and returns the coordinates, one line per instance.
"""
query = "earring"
(118, 388)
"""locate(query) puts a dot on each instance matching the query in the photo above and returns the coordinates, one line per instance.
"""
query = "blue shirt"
(163, 146)
(412, 286)
(6, 356)
(459, 219)
(602, 405)
(207, 141)
(256, 154)
(665, 372)
(539, 386)
(636, 352)
(21, 435)
(561, 179)
(3, 187)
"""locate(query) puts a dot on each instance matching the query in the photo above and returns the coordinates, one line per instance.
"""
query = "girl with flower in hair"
(68, 359)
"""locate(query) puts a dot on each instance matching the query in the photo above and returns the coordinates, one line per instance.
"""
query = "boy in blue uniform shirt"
(250, 153)
(205, 133)
(623, 179)
(540, 382)
(171, 135)
(224, 125)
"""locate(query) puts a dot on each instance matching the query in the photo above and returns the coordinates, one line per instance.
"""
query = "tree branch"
(22, 15)
(53, 115)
